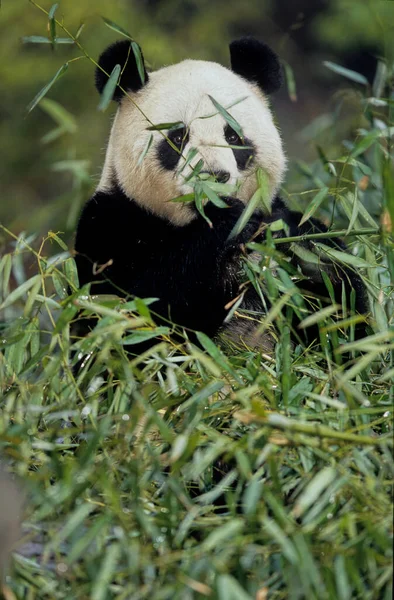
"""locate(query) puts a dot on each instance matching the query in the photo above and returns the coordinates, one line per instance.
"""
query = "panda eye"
(178, 137)
(232, 138)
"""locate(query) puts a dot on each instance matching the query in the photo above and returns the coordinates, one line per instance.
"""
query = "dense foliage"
(203, 472)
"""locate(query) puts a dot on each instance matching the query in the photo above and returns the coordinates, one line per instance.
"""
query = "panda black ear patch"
(256, 62)
(122, 53)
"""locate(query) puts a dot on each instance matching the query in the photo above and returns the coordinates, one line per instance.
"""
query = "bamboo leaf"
(20, 291)
(62, 40)
(199, 201)
(79, 30)
(35, 39)
(314, 205)
(47, 87)
(226, 115)
(143, 336)
(109, 89)
(365, 143)
(313, 490)
(246, 214)
(229, 589)
(59, 114)
(52, 22)
(318, 316)
(192, 153)
(343, 257)
(117, 28)
(171, 126)
(349, 74)
(290, 81)
(145, 150)
(221, 534)
(212, 196)
(139, 61)
(106, 572)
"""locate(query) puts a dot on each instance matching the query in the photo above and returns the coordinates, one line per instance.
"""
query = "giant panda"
(133, 240)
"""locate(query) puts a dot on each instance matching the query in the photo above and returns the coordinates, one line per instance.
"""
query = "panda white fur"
(153, 247)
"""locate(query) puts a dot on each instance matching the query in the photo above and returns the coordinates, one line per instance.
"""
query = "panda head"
(182, 94)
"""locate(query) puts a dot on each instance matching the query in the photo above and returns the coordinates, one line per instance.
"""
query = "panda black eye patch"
(243, 156)
(169, 156)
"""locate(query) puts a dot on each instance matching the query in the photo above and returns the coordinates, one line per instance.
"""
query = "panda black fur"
(153, 247)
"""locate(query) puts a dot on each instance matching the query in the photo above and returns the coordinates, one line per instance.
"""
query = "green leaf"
(109, 89)
(354, 215)
(106, 572)
(47, 87)
(199, 201)
(344, 257)
(35, 39)
(281, 539)
(5, 273)
(380, 79)
(117, 28)
(226, 115)
(190, 155)
(224, 189)
(184, 198)
(71, 273)
(228, 107)
(365, 143)
(290, 81)
(82, 544)
(169, 126)
(217, 355)
(74, 521)
(352, 75)
(228, 588)
(313, 490)
(143, 336)
(52, 22)
(59, 114)
(79, 31)
(264, 187)
(212, 196)
(246, 214)
(318, 316)
(314, 205)
(225, 532)
(20, 291)
(145, 150)
(62, 40)
(252, 496)
(195, 171)
(139, 61)
(59, 285)
(344, 589)
(306, 256)
(52, 10)
(31, 297)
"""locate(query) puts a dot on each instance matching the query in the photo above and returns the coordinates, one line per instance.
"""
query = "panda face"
(181, 94)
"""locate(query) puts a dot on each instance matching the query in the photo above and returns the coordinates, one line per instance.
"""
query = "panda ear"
(256, 62)
(122, 53)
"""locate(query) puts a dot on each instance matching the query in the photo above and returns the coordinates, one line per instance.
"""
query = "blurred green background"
(46, 176)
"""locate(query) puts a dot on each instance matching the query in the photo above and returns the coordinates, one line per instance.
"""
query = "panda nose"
(220, 176)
